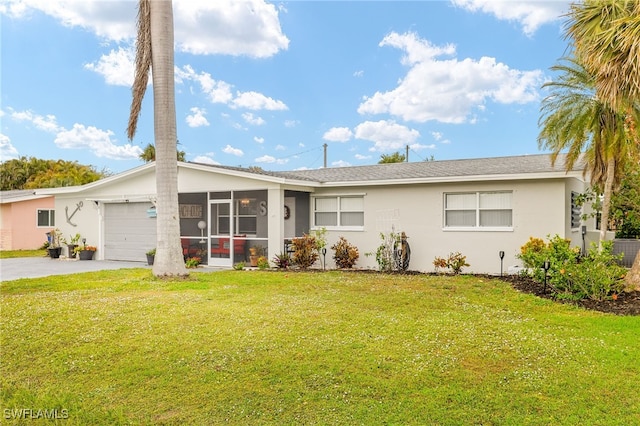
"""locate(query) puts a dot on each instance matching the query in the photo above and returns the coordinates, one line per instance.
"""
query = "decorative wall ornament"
(287, 212)
(66, 212)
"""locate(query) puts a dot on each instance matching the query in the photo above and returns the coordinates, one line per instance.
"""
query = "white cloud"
(206, 159)
(437, 135)
(218, 91)
(112, 20)
(251, 119)
(359, 73)
(530, 14)
(229, 27)
(80, 137)
(45, 123)
(97, 140)
(338, 134)
(386, 135)
(7, 150)
(448, 90)
(258, 139)
(362, 157)
(233, 151)
(269, 159)
(255, 101)
(280, 147)
(340, 163)
(117, 67)
(290, 123)
(197, 118)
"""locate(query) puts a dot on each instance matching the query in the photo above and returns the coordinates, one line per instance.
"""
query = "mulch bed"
(627, 303)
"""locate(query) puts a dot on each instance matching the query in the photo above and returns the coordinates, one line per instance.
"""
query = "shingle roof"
(18, 195)
(517, 165)
(435, 169)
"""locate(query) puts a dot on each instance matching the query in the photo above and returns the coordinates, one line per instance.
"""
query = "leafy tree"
(32, 173)
(149, 154)
(396, 157)
(625, 204)
(154, 48)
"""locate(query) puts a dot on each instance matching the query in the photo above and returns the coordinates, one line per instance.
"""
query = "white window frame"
(337, 227)
(477, 210)
(50, 225)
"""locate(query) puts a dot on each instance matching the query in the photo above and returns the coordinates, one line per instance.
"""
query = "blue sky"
(268, 83)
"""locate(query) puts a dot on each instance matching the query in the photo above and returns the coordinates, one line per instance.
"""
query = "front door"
(221, 233)
(289, 217)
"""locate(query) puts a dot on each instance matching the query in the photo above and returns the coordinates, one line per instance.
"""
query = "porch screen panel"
(460, 210)
(495, 209)
(326, 211)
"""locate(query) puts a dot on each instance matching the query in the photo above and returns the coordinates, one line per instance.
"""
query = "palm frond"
(142, 65)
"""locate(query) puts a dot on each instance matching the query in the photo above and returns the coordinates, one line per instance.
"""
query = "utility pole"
(407, 155)
(325, 155)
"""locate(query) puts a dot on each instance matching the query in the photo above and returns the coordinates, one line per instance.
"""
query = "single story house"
(25, 219)
(478, 207)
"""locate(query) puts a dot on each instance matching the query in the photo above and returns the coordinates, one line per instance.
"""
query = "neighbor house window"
(343, 212)
(478, 210)
(46, 218)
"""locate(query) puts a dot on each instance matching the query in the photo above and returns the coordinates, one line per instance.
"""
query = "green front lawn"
(250, 347)
(8, 254)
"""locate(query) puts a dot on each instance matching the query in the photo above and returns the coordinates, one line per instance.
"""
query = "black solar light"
(546, 265)
(501, 254)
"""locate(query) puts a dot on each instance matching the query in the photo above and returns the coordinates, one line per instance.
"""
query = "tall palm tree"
(575, 120)
(154, 48)
(605, 35)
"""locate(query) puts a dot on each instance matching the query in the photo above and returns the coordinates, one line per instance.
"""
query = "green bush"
(305, 251)
(263, 263)
(557, 251)
(385, 253)
(595, 276)
(346, 255)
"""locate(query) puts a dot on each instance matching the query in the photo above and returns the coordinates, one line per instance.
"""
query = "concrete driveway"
(34, 267)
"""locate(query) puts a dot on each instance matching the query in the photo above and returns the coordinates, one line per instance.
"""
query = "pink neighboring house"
(25, 219)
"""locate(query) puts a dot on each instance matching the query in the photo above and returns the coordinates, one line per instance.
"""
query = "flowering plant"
(78, 249)
(192, 262)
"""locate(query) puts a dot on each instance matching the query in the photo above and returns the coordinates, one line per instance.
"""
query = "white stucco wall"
(539, 209)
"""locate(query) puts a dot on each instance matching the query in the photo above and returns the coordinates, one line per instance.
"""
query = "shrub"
(385, 251)
(456, 261)
(557, 251)
(282, 260)
(263, 263)
(596, 276)
(305, 251)
(346, 255)
(192, 262)
(239, 266)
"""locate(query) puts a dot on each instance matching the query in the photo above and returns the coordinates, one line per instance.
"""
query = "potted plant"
(72, 244)
(85, 252)
(254, 254)
(54, 247)
(151, 254)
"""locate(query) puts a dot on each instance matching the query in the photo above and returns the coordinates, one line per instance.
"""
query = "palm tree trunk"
(606, 202)
(168, 260)
(633, 277)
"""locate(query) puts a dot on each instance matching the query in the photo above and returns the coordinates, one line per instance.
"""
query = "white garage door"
(129, 232)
